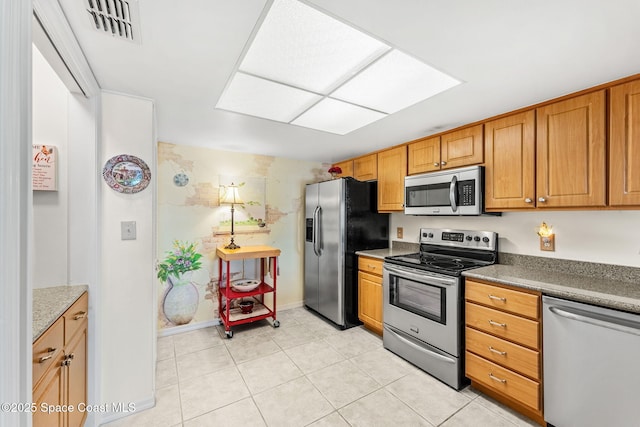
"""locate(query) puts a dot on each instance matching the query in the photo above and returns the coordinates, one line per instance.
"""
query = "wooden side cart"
(234, 316)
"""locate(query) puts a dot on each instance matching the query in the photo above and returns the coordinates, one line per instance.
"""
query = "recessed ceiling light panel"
(331, 115)
(394, 82)
(263, 98)
(309, 69)
(302, 47)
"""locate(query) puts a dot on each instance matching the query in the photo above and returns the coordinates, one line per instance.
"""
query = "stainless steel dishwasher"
(591, 365)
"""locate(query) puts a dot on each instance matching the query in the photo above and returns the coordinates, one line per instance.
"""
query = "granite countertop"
(381, 253)
(50, 303)
(603, 291)
(397, 248)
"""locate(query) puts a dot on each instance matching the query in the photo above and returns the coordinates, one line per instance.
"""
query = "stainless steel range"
(423, 299)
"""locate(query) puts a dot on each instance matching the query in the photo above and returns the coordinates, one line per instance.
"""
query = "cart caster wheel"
(276, 323)
(229, 334)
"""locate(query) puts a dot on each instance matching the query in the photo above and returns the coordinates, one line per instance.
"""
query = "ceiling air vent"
(114, 17)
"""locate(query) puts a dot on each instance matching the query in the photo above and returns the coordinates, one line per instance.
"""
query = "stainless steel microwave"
(449, 192)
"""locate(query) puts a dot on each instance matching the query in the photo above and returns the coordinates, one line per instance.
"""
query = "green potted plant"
(181, 298)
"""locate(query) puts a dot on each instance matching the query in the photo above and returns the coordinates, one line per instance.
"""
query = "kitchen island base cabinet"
(60, 369)
(503, 351)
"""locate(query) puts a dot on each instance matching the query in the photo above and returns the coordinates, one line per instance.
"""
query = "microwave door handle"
(453, 188)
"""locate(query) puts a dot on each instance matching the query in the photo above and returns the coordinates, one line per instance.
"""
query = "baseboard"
(186, 328)
(128, 408)
(215, 322)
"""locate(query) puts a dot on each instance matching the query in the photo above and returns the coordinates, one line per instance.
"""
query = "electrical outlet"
(548, 243)
(127, 230)
(399, 232)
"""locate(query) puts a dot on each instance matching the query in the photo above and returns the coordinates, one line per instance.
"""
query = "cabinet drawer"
(370, 278)
(503, 380)
(370, 265)
(75, 317)
(504, 353)
(504, 325)
(46, 349)
(513, 301)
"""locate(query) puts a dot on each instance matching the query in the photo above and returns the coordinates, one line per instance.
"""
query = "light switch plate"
(127, 230)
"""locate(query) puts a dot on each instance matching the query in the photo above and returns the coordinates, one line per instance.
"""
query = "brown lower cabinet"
(60, 369)
(503, 342)
(370, 293)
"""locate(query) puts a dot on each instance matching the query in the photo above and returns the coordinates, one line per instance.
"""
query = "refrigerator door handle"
(316, 231)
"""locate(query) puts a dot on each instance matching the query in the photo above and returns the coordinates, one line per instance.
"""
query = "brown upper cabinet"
(624, 144)
(392, 168)
(365, 168)
(570, 152)
(552, 156)
(510, 149)
(459, 148)
(346, 166)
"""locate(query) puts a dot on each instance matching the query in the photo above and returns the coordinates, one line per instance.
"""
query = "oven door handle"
(419, 347)
(417, 276)
(453, 189)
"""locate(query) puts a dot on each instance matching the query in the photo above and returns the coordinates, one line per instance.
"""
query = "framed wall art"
(44, 174)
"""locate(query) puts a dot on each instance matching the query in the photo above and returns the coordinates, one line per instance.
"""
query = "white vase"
(181, 299)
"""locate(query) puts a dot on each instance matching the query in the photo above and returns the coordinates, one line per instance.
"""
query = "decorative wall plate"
(181, 179)
(126, 174)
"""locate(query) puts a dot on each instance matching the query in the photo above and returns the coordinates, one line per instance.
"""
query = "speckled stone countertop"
(616, 287)
(50, 303)
(397, 248)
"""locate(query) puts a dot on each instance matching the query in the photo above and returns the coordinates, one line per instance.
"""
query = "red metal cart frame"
(234, 316)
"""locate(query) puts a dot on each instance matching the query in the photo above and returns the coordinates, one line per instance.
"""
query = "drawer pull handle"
(501, 353)
(373, 267)
(50, 352)
(500, 380)
(502, 325)
(80, 315)
(503, 299)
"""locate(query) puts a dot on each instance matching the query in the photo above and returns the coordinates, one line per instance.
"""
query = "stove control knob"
(469, 238)
(477, 239)
(485, 239)
(431, 235)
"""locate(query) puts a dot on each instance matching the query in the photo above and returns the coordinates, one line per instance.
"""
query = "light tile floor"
(304, 373)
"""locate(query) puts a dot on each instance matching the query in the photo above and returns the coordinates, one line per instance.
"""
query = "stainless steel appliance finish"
(449, 192)
(340, 218)
(591, 368)
(423, 299)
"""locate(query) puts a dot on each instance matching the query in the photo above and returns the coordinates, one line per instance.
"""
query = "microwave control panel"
(467, 193)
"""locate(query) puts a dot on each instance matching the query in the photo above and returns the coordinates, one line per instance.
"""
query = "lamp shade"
(231, 196)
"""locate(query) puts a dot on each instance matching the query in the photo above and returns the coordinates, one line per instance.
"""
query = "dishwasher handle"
(626, 326)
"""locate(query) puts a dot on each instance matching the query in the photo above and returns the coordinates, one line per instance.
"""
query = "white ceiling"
(508, 53)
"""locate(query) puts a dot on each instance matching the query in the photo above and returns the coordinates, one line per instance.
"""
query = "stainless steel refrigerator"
(341, 218)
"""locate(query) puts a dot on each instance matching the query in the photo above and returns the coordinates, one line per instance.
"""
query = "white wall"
(127, 297)
(50, 208)
(610, 237)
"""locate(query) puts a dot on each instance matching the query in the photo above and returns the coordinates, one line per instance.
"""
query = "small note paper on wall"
(44, 175)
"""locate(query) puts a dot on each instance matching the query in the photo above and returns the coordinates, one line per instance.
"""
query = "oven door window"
(431, 195)
(420, 298)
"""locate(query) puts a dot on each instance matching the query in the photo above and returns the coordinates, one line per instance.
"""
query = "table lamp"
(231, 197)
